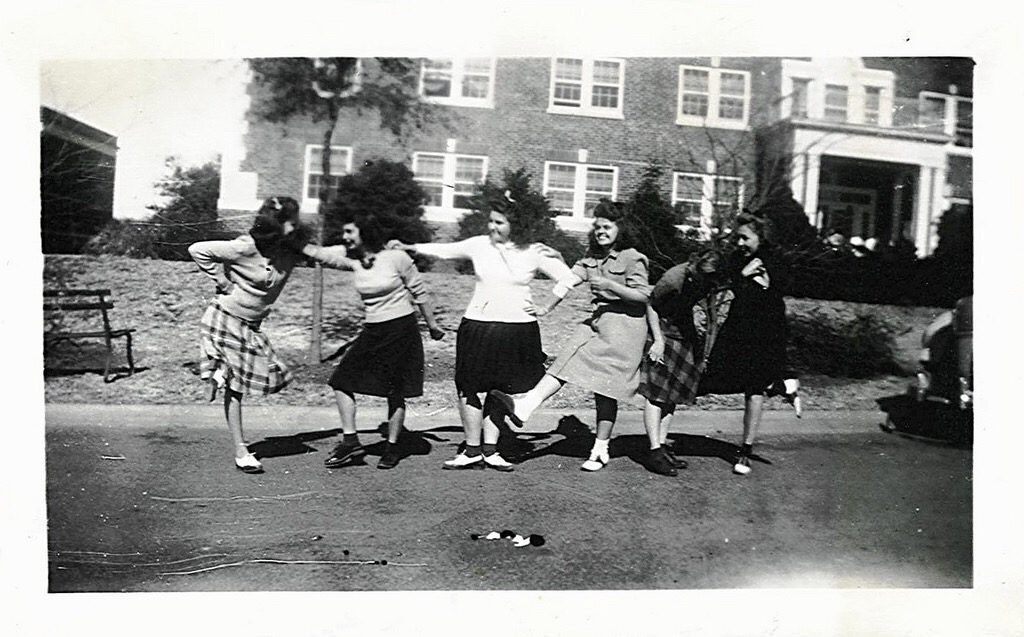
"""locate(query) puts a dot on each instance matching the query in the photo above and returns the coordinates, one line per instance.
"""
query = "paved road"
(144, 498)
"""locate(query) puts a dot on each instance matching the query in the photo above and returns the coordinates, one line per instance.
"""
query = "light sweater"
(388, 288)
(503, 275)
(258, 281)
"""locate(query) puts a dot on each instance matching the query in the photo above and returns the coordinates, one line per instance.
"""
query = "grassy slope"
(164, 301)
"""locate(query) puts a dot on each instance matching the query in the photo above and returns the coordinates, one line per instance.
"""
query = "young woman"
(498, 343)
(249, 273)
(603, 355)
(749, 353)
(386, 359)
(671, 372)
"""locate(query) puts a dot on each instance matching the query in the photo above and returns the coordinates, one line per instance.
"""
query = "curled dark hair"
(761, 226)
(267, 229)
(617, 213)
(371, 232)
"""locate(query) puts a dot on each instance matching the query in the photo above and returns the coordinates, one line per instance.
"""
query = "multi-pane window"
(798, 102)
(458, 81)
(576, 189)
(713, 97)
(949, 114)
(964, 122)
(701, 200)
(836, 102)
(587, 86)
(448, 180)
(872, 104)
(341, 163)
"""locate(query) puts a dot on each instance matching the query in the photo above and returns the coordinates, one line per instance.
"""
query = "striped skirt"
(242, 352)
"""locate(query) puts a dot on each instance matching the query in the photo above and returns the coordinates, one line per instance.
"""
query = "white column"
(812, 177)
(923, 209)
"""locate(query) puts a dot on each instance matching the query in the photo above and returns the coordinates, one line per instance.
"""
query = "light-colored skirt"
(242, 352)
(603, 355)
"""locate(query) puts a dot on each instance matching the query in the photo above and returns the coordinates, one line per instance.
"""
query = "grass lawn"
(164, 300)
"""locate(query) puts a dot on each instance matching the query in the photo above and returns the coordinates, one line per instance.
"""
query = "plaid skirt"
(676, 380)
(242, 352)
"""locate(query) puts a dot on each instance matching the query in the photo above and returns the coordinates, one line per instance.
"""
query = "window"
(587, 87)
(313, 174)
(949, 114)
(458, 82)
(836, 99)
(964, 123)
(798, 104)
(713, 97)
(575, 189)
(449, 180)
(700, 200)
(872, 104)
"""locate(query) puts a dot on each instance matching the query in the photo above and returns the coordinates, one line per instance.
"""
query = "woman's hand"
(657, 351)
(436, 332)
(225, 287)
(601, 284)
(395, 244)
(755, 270)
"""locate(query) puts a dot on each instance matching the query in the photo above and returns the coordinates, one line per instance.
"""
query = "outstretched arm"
(331, 256)
(455, 250)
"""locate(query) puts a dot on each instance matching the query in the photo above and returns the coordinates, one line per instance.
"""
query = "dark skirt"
(385, 360)
(504, 356)
(749, 353)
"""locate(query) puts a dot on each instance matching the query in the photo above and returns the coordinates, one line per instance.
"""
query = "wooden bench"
(56, 302)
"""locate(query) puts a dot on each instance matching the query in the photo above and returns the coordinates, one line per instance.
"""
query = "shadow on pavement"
(572, 438)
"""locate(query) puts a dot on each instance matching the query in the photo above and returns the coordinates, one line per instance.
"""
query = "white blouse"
(503, 276)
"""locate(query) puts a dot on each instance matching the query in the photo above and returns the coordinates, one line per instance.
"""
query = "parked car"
(940, 400)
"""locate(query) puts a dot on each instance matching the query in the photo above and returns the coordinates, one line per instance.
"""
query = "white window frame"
(458, 73)
(714, 99)
(949, 121)
(447, 181)
(826, 107)
(311, 204)
(807, 82)
(880, 91)
(708, 201)
(586, 91)
(579, 199)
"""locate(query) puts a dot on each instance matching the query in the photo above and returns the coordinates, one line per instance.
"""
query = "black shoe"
(505, 406)
(344, 452)
(678, 463)
(657, 462)
(390, 458)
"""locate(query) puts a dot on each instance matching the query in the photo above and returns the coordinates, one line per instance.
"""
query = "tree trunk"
(316, 338)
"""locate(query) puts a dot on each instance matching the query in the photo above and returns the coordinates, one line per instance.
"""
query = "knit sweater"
(503, 275)
(389, 288)
(255, 281)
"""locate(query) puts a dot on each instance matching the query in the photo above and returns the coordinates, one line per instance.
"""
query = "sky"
(192, 109)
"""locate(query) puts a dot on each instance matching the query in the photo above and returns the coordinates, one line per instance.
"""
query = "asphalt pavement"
(146, 498)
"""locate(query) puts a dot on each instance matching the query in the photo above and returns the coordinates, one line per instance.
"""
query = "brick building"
(858, 152)
(77, 164)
